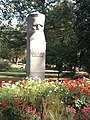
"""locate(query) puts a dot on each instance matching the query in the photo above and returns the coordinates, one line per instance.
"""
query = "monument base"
(40, 75)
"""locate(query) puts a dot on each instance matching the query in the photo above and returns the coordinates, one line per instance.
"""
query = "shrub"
(4, 66)
(47, 100)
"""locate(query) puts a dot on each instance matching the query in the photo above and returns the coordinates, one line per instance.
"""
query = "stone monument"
(36, 46)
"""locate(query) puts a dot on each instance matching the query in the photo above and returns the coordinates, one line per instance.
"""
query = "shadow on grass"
(14, 76)
(14, 79)
(18, 75)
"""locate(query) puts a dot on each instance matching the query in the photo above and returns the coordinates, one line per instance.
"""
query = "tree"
(60, 36)
(61, 39)
(13, 42)
(21, 8)
(10, 38)
(4, 48)
(83, 32)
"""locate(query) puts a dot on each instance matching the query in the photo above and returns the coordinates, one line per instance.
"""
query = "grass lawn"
(12, 75)
(51, 74)
(19, 75)
(3, 78)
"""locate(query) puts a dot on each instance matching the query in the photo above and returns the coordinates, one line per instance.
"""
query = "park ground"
(19, 73)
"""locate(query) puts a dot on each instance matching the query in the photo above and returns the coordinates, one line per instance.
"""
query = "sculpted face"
(37, 27)
(35, 30)
(36, 24)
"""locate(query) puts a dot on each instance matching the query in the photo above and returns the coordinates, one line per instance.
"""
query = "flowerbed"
(45, 100)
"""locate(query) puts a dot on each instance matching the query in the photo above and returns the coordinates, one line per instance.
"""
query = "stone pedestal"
(36, 46)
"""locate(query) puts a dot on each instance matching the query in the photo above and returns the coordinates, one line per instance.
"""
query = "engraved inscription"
(37, 54)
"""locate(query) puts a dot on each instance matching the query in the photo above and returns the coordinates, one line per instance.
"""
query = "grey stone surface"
(36, 45)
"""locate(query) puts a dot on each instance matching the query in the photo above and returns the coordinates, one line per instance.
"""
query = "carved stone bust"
(35, 22)
(36, 45)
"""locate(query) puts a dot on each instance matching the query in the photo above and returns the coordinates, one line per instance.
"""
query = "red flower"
(71, 88)
(4, 104)
(32, 111)
(56, 88)
(84, 85)
(17, 100)
(29, 110)
(0, 83)
(11, 82)
(75, 97)
(6, 81)
(87, 109)
(71, 109)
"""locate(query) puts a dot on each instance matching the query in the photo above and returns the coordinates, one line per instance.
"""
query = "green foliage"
(13, 42)
(10, 114)
(83, 32)
(61, 39)
(60, 36)
(44, 100)
(20, 9)
(4, 66)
